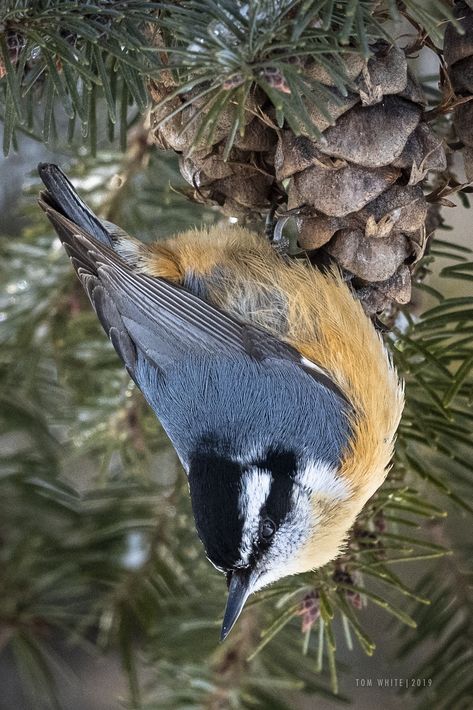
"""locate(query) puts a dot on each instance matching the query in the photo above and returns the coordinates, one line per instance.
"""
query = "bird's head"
(266, 517)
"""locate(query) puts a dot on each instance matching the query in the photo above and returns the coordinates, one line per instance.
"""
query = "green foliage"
(435, 355)
(61, 58)
(444, 634)
(62, 54)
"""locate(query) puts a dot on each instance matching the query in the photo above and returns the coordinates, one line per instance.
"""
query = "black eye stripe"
(278, 462)
(283, 466)
(278, 501)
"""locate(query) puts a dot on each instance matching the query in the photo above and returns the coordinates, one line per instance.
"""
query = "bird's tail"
(62, 197)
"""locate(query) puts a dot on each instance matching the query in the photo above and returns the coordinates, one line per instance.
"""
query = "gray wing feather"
(63, 198)
(162, 319)
(163, 300)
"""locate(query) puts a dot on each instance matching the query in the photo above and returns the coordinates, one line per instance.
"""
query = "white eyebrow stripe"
(322, 478)
(256, 485)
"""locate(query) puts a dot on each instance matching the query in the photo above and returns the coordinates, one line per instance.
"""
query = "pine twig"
(231, 666)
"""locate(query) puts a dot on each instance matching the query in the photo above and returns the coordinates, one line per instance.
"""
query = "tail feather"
(62, 197)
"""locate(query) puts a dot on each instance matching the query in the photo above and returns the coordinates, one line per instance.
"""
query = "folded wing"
(139, 312)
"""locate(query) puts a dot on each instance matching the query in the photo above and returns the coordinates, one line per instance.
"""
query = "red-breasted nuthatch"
(272, 384)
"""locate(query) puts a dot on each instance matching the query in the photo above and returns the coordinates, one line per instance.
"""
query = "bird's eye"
(267, 529)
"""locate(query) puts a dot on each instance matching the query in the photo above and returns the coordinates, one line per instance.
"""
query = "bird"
(275, 389)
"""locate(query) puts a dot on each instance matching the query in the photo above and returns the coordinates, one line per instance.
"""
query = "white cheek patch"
(256, 485)
(282, 558)
(319, 477)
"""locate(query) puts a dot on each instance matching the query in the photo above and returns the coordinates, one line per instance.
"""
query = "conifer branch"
(122, 564)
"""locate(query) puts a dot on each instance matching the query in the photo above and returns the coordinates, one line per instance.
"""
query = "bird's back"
(315, 313)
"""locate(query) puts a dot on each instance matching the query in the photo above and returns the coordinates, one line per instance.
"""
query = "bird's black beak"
(240, 586)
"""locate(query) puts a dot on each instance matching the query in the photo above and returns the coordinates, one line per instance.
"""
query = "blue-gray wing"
(160, 318)
(138, 312)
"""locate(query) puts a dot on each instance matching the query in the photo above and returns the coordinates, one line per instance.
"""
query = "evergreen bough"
(251, 96)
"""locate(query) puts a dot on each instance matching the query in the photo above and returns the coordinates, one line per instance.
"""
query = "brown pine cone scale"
(355, 191)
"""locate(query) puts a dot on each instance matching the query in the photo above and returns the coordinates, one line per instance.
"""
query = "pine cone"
(458, 53)
(355, 191)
